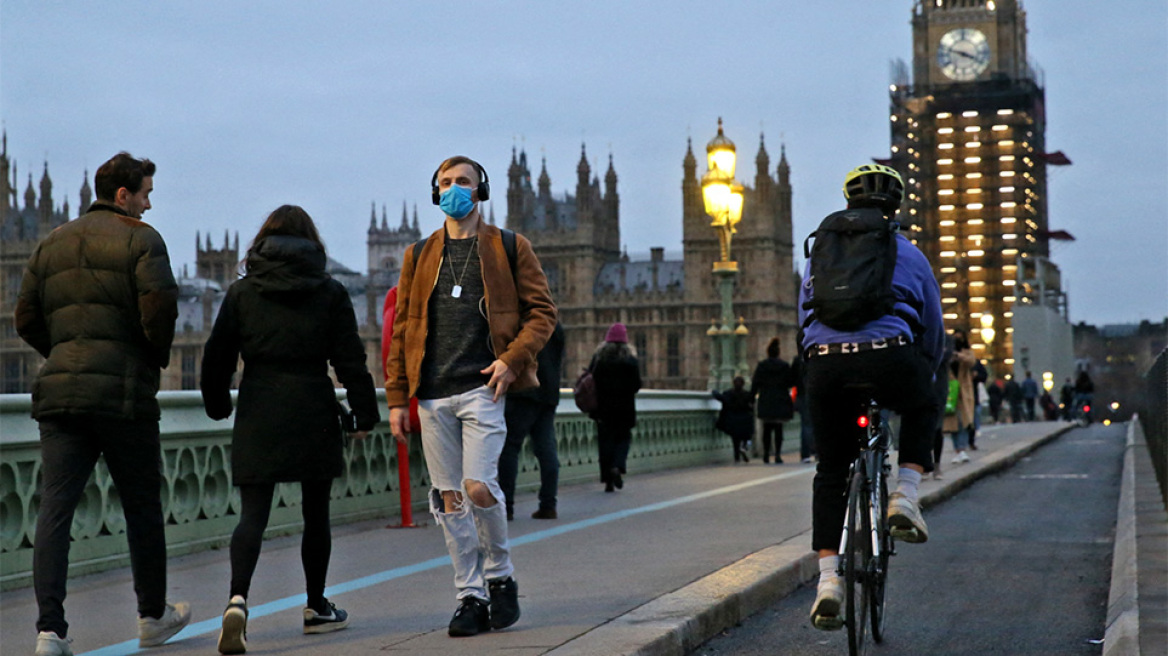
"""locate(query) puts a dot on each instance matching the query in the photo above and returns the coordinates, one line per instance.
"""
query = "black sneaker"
(504, 602)
(472, 618)
(233, 635)
(334, 620)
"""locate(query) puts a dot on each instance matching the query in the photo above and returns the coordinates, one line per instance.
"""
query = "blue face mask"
(456, 202)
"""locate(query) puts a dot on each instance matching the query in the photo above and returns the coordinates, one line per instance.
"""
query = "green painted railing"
(674, 429)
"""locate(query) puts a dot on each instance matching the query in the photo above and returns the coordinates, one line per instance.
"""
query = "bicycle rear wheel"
(879, 571)
(857, 563)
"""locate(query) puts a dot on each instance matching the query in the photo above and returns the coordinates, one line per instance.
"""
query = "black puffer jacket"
(288, 320)
(99, 302)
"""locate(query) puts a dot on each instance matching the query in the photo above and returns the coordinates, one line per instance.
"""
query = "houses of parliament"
(667, 303)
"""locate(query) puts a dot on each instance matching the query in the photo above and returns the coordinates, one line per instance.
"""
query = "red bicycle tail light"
(1086, 408)
(862, 421)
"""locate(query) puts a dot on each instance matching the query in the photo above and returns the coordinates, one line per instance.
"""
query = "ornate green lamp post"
(723, 202)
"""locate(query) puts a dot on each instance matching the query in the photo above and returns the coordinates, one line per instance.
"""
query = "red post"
(388, 314)
(403, 482)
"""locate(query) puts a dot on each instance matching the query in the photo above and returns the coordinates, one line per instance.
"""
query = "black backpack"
(852, 263)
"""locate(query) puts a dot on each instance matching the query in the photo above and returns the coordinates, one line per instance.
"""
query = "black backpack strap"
(418, 246)
(508, 246)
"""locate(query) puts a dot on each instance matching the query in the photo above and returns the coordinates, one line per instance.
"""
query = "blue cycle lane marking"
(296, 601)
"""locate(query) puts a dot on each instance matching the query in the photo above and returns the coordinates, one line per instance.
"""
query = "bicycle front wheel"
(857, 563)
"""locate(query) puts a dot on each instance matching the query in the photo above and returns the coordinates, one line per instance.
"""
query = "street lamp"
(987, 336)
(723, 203)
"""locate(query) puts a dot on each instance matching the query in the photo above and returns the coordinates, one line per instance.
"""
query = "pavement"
(656, 568)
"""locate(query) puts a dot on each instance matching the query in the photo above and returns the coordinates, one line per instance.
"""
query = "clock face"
(963, 54)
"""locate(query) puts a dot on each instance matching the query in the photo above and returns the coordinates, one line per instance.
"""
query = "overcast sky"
(245, 106)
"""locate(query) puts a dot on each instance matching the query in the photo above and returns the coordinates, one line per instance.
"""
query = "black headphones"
(484, 188)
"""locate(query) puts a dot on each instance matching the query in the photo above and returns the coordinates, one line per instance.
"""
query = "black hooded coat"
(289, 321)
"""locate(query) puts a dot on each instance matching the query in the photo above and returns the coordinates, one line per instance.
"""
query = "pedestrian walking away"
(806, 432)
(1067, 399)
(888, 337)
(1013, 395)
(99, 303)
(289, 321)
(771, 385)
(470, 323)
(1029, 395)
(736, 417)
(533, 412)
(617, 375)
(995, 394)
(959, 424)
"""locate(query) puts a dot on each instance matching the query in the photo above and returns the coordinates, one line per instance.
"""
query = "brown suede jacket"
(520, 311)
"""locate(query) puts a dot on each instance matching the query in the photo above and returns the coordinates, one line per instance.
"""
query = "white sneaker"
(964, 456)
(825, 614)
(49, 644)
(233, 635)
(904, 519)
(153, 632)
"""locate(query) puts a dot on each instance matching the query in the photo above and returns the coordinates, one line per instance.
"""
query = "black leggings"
(315, 545)
(772, 440)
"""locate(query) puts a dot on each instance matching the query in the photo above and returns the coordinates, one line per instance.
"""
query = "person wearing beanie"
(617, 375)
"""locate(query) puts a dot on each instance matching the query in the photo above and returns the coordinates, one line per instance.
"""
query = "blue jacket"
(915, 288)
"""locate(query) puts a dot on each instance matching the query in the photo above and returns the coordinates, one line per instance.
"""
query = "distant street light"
(723, 203)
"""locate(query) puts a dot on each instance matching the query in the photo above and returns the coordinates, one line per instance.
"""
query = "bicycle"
(866, 543)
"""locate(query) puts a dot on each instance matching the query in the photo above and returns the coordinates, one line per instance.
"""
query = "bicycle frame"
(867, 495)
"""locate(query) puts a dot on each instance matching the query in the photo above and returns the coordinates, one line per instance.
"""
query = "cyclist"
(897, 354)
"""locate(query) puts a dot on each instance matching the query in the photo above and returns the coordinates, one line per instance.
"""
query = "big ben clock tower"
(968, 135)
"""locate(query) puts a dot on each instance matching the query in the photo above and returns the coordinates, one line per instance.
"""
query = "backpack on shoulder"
(852, 262)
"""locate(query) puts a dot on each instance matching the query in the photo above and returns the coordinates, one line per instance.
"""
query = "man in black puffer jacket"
(99, 302)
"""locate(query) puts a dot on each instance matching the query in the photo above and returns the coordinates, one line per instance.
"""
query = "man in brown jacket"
(473, 312)
(99, 302)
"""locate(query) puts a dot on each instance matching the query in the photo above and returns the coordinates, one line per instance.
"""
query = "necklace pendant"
(456, 291)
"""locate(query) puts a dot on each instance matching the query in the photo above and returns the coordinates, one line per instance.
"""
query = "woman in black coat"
(289, 321)
(617, 376)
(771, 384)
(737, 416)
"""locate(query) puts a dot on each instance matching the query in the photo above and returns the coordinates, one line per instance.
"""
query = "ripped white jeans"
(462, 437)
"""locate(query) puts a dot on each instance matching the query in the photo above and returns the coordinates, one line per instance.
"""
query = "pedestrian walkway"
(656, 568)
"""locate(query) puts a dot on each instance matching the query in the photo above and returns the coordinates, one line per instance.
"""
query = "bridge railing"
(1154, 419)
(201, 506)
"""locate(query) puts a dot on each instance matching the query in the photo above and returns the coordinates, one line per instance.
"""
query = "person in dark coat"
(617, 376)
(288, 320)
(737, 416)
(1013, 395)
(534, 411)
(98, 302)
(806, 432)
(771, 384)
(1067, 399)
(995, 394)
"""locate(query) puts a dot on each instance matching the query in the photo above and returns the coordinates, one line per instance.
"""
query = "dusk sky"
(334, 106)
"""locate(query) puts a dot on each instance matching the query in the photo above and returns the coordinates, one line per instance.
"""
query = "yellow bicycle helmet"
(874, 185)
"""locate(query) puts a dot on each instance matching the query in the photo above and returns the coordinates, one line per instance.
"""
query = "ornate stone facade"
(667, 304)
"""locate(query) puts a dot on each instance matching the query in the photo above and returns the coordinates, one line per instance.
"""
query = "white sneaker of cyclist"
(904, 519)
(829, 598)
